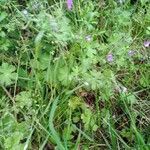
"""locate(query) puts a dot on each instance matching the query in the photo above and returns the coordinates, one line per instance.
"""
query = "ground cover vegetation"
(74, 74)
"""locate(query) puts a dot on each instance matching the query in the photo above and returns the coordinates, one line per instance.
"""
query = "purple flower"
(147, 43)
(88, 38)
(69, 4)
(110, 57)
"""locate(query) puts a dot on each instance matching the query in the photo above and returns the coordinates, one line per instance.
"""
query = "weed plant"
(74, 74)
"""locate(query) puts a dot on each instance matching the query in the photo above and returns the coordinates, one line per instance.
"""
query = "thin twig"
(8, 94)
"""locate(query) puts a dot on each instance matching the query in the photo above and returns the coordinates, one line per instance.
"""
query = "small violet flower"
(147, 43)
(69, 4)
(88, 38)
(131, 53)
(110, 57)
(25, 12)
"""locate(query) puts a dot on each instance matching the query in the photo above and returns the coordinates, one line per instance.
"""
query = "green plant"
(74, 77)
(7, 74)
